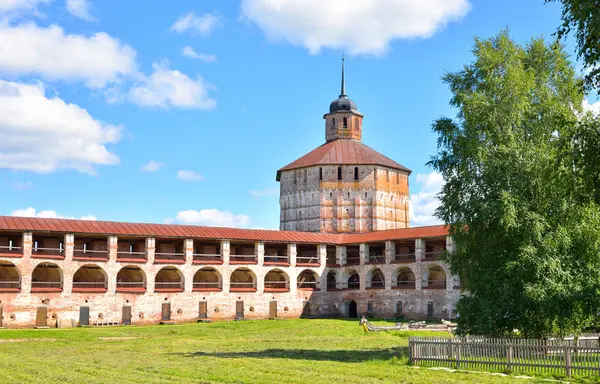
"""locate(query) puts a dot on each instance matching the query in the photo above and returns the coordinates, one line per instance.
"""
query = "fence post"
(410, 351)
(568, 360)
(458, 354)
(450, 352)
(509, 357)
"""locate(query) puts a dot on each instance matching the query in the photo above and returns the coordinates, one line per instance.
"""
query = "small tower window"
(387, 176)
(333, 122)
(356, 124)
(397, 178)
(345, 122)
(339, 173)
(355, 173)
(320, 173)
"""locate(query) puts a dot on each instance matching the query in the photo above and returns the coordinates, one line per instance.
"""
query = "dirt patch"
(118, 338)
(24, 340)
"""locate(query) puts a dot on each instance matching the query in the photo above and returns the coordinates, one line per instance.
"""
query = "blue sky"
(182, 111)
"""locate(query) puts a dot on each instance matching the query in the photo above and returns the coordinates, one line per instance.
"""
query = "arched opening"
(356, 126)
(345, 122)
(331, 281)
(276, 281)
(404, 279)
(308, 279)
(436, 278)
(242, 280)
(10, 280)
(207, 279)
(339, 173)
(169, 279)
(90, 278)
(352, 310)
(353, 281)
(355, 173)
(376, 279)
(46, 277)
(131, 279)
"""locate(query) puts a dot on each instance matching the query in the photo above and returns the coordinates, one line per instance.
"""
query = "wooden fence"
(568, 356)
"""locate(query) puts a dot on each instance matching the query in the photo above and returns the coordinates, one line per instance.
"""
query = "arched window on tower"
(333, 122)
(339, 173)
(355, 173)
(345, 122)
(320, 173)
(356, 124)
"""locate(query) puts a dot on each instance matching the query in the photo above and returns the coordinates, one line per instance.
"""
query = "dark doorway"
(239, 309)
(273, 309)
(126, 320)
(352, 312)
(430, 309)
(305, 309)
(203, 310)
(166, 312)
(41, 317)
(84, 316)
(1, 316)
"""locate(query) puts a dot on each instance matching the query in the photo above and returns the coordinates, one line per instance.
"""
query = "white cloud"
(152, 166)
(171, 88)
(190, 52)
(20, 5)
(264, 192)
(594, 107)
(47, 214)
(99, 59)
(43, 134)
(22, 185)
(212, 217)
(188, 175)
(360, 26)
(424, 203)
(80, 9)
(204, 25)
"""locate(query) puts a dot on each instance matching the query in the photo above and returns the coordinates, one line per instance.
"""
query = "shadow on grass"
(348, 356)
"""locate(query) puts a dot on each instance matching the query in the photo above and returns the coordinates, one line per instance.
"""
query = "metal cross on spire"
(343, 93)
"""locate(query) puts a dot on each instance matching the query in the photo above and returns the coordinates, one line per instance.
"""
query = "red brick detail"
(277, 289)
(160, 261)
(46, 289)
(282, 263)
(10, 290)
(90, 290)
(131, 260)
(86, 258)
(168, 290)
(243, 262)
(55, 257)
(130, 290)
(208, 262)
(207, 289)
(242, 289)
(309, 289)
(308, 264)
(14, 255)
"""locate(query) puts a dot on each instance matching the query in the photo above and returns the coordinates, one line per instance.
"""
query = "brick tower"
(343, 186)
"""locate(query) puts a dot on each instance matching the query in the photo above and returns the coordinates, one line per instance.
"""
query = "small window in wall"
(331, 195)
(348, 194)
(397, 178)
(399, 308)
(387, 175)
(345, 122)
(430, 309)
(333, 122)
(365, 195)
(355, 173)
(320, 173)
(339, 173)
(306, 176)
(356, 123)
(369, 307)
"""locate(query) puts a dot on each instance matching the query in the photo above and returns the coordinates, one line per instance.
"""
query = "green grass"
(281, 351)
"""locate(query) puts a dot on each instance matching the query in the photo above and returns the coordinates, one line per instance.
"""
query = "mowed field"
(266, 351)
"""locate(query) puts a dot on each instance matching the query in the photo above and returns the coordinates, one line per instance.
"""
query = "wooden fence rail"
(569, 356)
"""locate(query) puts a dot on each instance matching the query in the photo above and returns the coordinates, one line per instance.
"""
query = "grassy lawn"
(281, 351)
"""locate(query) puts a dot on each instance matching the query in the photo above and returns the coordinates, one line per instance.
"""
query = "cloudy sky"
(182, 111)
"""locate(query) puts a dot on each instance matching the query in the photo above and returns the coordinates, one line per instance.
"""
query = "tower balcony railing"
(377, 258)
(351, 285)
(131, 285)
(207, 258)
(314, 285)
(404, 284)
(90, 254)
(407, 257)
(247, 286)
(308, 260)
(434, 284)
(10, 250)
(10, 285)
(41, 252)
(169, 257)
(168, 285)
(243, 259)
(277, 259)
(276, 286)
(140, 256)
(376, 285)
(207, 285)
(46, 286)
(353, 260)
(433, 255)
(90, 285)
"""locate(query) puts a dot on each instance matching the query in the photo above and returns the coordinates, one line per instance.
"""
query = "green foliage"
(583, 16)
(527, 234)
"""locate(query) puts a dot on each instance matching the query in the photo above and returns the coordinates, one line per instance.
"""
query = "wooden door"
(203, 310)
(166, 312)
(41, 317)
(239, 309)
(273, 309)
(126, 318)
(84, 316)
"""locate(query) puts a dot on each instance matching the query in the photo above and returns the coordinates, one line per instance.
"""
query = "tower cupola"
(343, 121)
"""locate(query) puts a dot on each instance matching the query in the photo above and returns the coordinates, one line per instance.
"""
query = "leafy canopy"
(527, 232)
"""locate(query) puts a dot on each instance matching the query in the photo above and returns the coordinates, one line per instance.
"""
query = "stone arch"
(351, 279)
(10, 278)
(276, 280)
(434, 277)
(46, 277)
(131, 278)
(404, 278)
(90, 277)
(242, 279)
(308, 279)
(350, 308)
(169, 279)
(207, 279)
(375, 279)
(332, 283)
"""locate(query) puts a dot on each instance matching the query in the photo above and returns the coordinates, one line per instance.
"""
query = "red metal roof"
(343, 152)
(11, 223)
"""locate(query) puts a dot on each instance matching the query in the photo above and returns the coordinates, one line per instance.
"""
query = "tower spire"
(343, 93)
